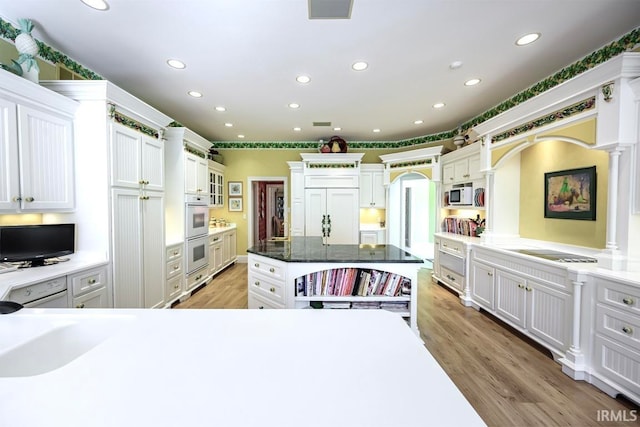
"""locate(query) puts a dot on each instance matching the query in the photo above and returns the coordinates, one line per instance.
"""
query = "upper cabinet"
(196, 175)
(36, 148)
(216, 184)
(461, 171)
(372, 191)
(137, 159)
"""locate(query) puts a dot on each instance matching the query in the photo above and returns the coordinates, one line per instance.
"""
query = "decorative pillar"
(612, 205)
(573, 364)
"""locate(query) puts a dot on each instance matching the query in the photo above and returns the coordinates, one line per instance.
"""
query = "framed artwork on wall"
(570, 194)
(235, 204)
(235, 188)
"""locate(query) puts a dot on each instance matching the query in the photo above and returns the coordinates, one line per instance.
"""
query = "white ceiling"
(245, 55)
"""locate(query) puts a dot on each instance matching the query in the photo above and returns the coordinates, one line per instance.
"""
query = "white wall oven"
(197, 235)
(197, 253)
(197, 218)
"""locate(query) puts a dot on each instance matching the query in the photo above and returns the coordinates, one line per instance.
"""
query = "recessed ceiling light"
(376, 130)
(337, 128)
(455, 65)
(195, 94)
(418, 122)
(220, 108)
(360, 65)
(229, 125)
(303, 79)
(438, 105)
(240, 136)
(177, 64)
(472, 82)
(294, 105)
(297, 129)
(527, 39)
(96, 4)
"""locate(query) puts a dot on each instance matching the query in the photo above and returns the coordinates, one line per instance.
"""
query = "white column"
(574, 360)
(612, 204)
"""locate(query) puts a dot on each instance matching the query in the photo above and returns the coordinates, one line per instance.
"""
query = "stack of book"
(395, 306)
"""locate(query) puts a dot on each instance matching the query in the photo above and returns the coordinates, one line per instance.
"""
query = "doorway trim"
(250, 197)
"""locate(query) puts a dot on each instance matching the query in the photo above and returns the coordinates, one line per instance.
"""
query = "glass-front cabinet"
(216, 184)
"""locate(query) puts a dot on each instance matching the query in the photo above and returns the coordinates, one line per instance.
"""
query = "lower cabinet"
(89, 288)
(174, 285)
(266, 283)
(522, 294)
(616, 347)
(222, 250)
(372, 237)
(215, 253)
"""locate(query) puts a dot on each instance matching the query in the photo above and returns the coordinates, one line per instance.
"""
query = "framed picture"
(235, 204)
(235, 188)
(570, 194)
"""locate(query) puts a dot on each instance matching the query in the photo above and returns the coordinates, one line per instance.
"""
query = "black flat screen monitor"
(36, 243)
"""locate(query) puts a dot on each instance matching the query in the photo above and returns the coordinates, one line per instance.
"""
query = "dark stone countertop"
(311, 249)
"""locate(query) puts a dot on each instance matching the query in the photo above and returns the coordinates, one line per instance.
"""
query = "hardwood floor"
(507, 379)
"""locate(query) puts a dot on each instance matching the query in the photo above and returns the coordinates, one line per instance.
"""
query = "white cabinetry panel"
(340, 206)
(126, 163)
(9, 177)
(153, 249)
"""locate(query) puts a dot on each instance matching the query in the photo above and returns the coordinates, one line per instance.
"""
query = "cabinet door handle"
(256, 265)
(257, 283)
(272, 289)
(175, 253)
(627, 330)
(175, 267)
(489, 274)
(628, 300)
(80, 305)
(272, 270)
(141, 182)
(261, 307)
(176, 286)
(528, 288)
(91, 281)
(29, 199)
(520, 285)
(17, 199)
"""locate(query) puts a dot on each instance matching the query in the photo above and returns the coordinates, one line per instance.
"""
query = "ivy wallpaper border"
(625, 43)
(130, 123)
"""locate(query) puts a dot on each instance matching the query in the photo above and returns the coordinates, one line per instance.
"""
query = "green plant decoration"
(26, 45)
(15, 68)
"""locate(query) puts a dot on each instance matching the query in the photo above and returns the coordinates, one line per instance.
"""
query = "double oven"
(197, 234)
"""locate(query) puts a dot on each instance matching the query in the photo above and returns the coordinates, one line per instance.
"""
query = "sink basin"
(37, 345)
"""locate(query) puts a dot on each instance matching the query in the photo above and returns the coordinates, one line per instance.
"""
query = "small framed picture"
(235, 204)
(235, 188)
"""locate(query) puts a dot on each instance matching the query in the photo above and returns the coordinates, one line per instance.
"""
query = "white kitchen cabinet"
(229, 253)
(36, 150)
(138, 159)
(461, 171)
(196, 176)
(138, 248)
(89, 288)
(482, 284)
(372, 190)
(372, 237)
(450, 263)
(216, 256)
(216, 184)
(174, 285)
(297, 216)
(510, 297)
(338, 209)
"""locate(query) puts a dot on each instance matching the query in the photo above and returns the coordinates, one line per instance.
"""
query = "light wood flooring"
(507, 379)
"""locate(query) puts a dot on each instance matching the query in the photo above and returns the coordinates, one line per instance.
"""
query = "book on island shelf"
(352, 281)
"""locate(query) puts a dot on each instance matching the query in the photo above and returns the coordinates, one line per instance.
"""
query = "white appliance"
(461, 196)
(197, 253)
(197, 219)
(49, 294)
(197, 235)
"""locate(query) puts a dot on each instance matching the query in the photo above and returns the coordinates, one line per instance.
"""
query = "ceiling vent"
(330, 9)
(322, 123)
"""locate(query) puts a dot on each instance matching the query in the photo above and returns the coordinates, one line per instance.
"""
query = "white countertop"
(28, 276)
(217, 230)
(237, 368)
(371, 227)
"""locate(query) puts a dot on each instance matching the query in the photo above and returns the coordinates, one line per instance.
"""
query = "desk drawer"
(269, 268)
(452, 278)
(623, 297)
(89, 280)
(452, 246)
(271, 289)
(618, 325)
(174, 268)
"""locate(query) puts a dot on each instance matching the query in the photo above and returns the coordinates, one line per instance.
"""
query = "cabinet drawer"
(215, 238)
(269, 268)
(271, 289)
(619, 325)
(256, 302)
(621, 296)
(88, 280)
(97, 298)
(174, 268)
(174, 287)
(452, 246)
(452, 278)
(174, 252)
(197, 278)
(618, 363)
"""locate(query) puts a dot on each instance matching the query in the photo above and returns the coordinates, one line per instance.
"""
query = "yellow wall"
(550, 156)
(8, 52)
(372, 216)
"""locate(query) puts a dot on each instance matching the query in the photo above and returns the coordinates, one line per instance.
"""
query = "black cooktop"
(555, 255)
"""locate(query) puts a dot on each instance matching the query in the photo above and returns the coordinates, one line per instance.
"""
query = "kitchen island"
(189, 368)
(306, 273)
